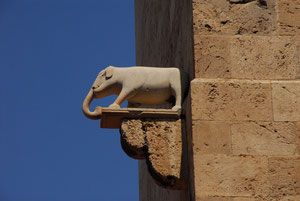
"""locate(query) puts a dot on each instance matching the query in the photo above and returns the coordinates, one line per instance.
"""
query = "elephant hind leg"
(176, 92)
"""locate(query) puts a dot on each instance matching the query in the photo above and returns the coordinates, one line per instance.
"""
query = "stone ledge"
(111, 118)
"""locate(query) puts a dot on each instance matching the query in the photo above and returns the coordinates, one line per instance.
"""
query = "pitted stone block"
(159, 141)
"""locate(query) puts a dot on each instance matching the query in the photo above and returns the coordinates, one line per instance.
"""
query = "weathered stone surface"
(150, 191)
(264, 57)
(230, 17)
(289, 17)
(216, 99)
(267, 198)
(159, 141)
(291, 198)
(297, 39)
(211, 137)
(284, 176)
(298, 134)
(212, 59)
(286, 100)
(164, 142)
(264, 138)
(133, 138)
(215, 198)
(253, 57)
(246, 199)
(221, 175)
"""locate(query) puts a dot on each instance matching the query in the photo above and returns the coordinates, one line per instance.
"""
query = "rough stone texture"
(149, 190)
(289, 17)
(291, 198)
(298, 134)
(297, 39)
(286, 100)
(164, 142)
(231, 17)
(264, 138)
(159, 141)
(215, 198)
(212, 137)
(227, 100)
(247, 62)
(133, 138)
(252, 57)
(211, 56)
(222, 175)
(284, 176)
(268, 198)
(264, 57)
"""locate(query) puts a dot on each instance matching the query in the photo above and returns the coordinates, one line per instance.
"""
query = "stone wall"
(243, 115)
(164, 37)
(246, 100)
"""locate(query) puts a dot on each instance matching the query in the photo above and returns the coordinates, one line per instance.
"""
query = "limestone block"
(133, 138)
(253, 57)
(214, 198)
(159, 141)
(289, 17)
(211, 56)
(246, 199)
(221, 175)
(284, 176)
(226, 100)
(290, 198)
(264, 57)
(297, 39)
(298, 134)
(231, 17)
(211, 137)
(164, 145)
(286, 100)
(267, 198)
(264, 138)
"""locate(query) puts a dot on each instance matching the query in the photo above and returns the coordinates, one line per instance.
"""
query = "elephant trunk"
(86, 107)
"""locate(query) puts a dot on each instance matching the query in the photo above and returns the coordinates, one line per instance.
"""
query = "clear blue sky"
(50, 54)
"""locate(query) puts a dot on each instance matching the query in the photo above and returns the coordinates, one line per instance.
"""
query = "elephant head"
(104, 85)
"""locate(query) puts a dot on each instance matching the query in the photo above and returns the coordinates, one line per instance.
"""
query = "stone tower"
(242, 116)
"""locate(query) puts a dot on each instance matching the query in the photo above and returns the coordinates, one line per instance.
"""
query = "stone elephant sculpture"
(138, 85)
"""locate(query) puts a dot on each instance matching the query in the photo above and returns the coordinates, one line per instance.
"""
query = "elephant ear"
(102, 72)
(108, 72)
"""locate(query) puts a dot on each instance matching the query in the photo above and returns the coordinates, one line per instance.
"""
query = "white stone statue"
(138, 85)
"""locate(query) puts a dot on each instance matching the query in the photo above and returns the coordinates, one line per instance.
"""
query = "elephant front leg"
(124, 95)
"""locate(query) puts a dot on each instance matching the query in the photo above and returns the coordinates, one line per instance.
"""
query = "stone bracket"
(111, 118)
(154, 135)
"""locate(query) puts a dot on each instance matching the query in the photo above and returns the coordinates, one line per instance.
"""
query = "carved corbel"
(154, 135)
